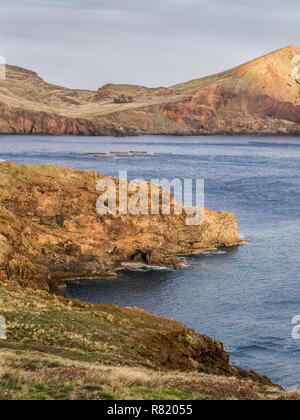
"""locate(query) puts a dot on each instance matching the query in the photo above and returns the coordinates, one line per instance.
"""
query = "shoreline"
(116, 136)
(125, 264)
(44, 233)
(41, 242)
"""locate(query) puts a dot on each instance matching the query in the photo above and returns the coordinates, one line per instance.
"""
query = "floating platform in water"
(136, 153)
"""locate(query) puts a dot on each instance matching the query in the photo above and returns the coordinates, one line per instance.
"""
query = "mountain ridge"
(258, 97)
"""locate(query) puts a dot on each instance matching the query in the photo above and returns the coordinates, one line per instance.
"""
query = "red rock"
(259, 97)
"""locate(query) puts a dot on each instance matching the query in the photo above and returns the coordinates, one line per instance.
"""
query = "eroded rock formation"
(50, 229)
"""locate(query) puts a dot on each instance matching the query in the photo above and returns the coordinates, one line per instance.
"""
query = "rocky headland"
(259, 97)
(50, 232)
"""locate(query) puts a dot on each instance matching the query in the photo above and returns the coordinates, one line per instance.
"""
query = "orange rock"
(259, 97)
(50, 230)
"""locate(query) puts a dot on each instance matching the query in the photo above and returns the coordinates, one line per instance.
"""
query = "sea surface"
(244, 296)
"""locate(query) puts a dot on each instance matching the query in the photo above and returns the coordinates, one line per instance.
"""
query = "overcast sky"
(87, 43)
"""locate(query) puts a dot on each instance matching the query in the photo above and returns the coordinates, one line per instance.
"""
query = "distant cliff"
(259, 97)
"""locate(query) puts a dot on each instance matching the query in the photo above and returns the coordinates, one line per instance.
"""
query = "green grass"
(59, 349)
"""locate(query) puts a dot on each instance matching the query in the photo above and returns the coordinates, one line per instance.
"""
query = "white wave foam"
(144, 267)
(212, 252)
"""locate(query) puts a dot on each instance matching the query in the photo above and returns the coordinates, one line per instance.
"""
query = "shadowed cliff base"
(259, 97)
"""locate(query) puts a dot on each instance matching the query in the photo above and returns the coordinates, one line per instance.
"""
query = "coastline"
(296, 133)
(49, 179)
(61, 235)
(15, 272)
(77, 346)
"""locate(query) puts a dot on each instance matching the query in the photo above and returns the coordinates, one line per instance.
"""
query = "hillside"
(57, 349)
(259, 97)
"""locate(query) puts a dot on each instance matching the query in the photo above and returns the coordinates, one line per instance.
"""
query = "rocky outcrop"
(50, 229)
(259, 97)
(218, 110)
(20, 121)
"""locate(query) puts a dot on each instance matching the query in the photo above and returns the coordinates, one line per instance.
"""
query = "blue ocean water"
(245, 296)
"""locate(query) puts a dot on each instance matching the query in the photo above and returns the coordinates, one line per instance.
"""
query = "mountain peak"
(271, 74)
(292, 47)
(286, 53)
(289, 47)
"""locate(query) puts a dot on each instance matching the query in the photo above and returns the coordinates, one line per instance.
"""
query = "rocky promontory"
(50, 230)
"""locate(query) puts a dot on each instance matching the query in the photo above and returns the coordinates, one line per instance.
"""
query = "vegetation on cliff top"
(59, 349)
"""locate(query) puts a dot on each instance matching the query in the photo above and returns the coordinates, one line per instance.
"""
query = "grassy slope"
(25, 90)
(34, 376)
(267, 75)
(60, 349)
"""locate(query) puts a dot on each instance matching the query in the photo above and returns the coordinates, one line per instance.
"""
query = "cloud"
(86, 43)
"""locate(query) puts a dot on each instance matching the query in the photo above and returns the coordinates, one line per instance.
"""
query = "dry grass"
(32, 375)
(62, 350)
(23, 89)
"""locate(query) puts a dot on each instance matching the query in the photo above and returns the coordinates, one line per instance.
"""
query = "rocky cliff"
(259, 97)
(50, 229)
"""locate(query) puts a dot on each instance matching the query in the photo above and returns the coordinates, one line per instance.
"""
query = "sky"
(88, 43)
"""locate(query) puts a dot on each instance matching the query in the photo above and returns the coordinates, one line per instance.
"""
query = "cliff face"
(50, 229)
(22, 121)
(259, 97)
